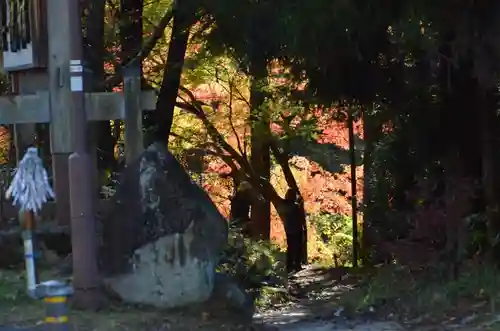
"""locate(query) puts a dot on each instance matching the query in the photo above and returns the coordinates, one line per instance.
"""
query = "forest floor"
(391, 298)
(322, 299)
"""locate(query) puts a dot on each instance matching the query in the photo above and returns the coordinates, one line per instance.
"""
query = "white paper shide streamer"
(30, 188)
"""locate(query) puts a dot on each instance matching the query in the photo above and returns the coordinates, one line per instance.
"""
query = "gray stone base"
(165, 275)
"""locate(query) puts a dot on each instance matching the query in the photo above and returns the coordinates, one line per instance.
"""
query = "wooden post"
(134, 144)
(36, 108)
(86, 280)
(60, 105)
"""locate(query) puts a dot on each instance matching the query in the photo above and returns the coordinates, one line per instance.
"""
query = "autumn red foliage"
(322, 191)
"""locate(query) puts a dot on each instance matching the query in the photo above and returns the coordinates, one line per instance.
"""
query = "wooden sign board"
(23, 34)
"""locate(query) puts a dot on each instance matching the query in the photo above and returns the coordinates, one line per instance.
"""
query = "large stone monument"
(161, 244)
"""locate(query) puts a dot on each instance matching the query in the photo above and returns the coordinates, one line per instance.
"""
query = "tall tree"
(183, 19)
(131, 29)
(260, 152)
(247, 30)
(94, 52)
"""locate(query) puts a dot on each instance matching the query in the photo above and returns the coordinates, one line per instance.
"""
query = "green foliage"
(294, 118)
(154, 10)
(335, 231)
(400, 63)
(259, 266)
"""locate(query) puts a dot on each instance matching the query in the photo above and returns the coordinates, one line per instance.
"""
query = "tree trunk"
(165, 106)
(354, 199)
(487, 117)
(235, 161)
(260, 154)
(299, 211)
(131, 29)
(101, 138)
(371, 212)
(457, 200)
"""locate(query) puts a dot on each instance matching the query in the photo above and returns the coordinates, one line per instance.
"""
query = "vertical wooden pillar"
(134, 141)
(61, 140)
(60, 169)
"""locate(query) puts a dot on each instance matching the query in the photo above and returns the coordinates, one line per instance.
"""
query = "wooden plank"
(105, 106)
(25, 109)
(35, 108)
(104, 208)
(134, 142)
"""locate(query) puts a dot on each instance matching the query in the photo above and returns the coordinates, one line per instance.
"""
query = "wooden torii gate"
(36, 55)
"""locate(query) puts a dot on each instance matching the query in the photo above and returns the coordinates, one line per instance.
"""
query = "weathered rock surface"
(161, 243)
(229, 296)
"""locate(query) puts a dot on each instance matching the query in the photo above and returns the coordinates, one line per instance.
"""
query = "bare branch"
(230, 118)
(261, 184)
(148, 47)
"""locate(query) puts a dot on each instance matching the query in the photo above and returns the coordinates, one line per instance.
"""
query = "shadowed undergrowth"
(416, 296)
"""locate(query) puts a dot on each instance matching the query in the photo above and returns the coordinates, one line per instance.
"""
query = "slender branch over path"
(148, 47)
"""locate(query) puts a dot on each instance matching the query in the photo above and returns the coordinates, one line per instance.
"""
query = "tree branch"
(282, 158)
(230, 118)
(148, 47)
(261, 184)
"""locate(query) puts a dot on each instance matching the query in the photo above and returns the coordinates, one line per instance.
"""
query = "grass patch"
(17, 309)
(15, 306)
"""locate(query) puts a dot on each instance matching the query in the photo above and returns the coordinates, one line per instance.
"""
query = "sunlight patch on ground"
(330, 326)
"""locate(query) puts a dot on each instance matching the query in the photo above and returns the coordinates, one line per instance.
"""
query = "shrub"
(258, 266)
(335, 232)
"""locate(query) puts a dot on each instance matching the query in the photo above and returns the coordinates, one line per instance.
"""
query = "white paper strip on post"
(76, 84)
(75, 68)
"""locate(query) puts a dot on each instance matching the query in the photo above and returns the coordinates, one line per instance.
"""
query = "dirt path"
(317, 306)
(315, 291)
